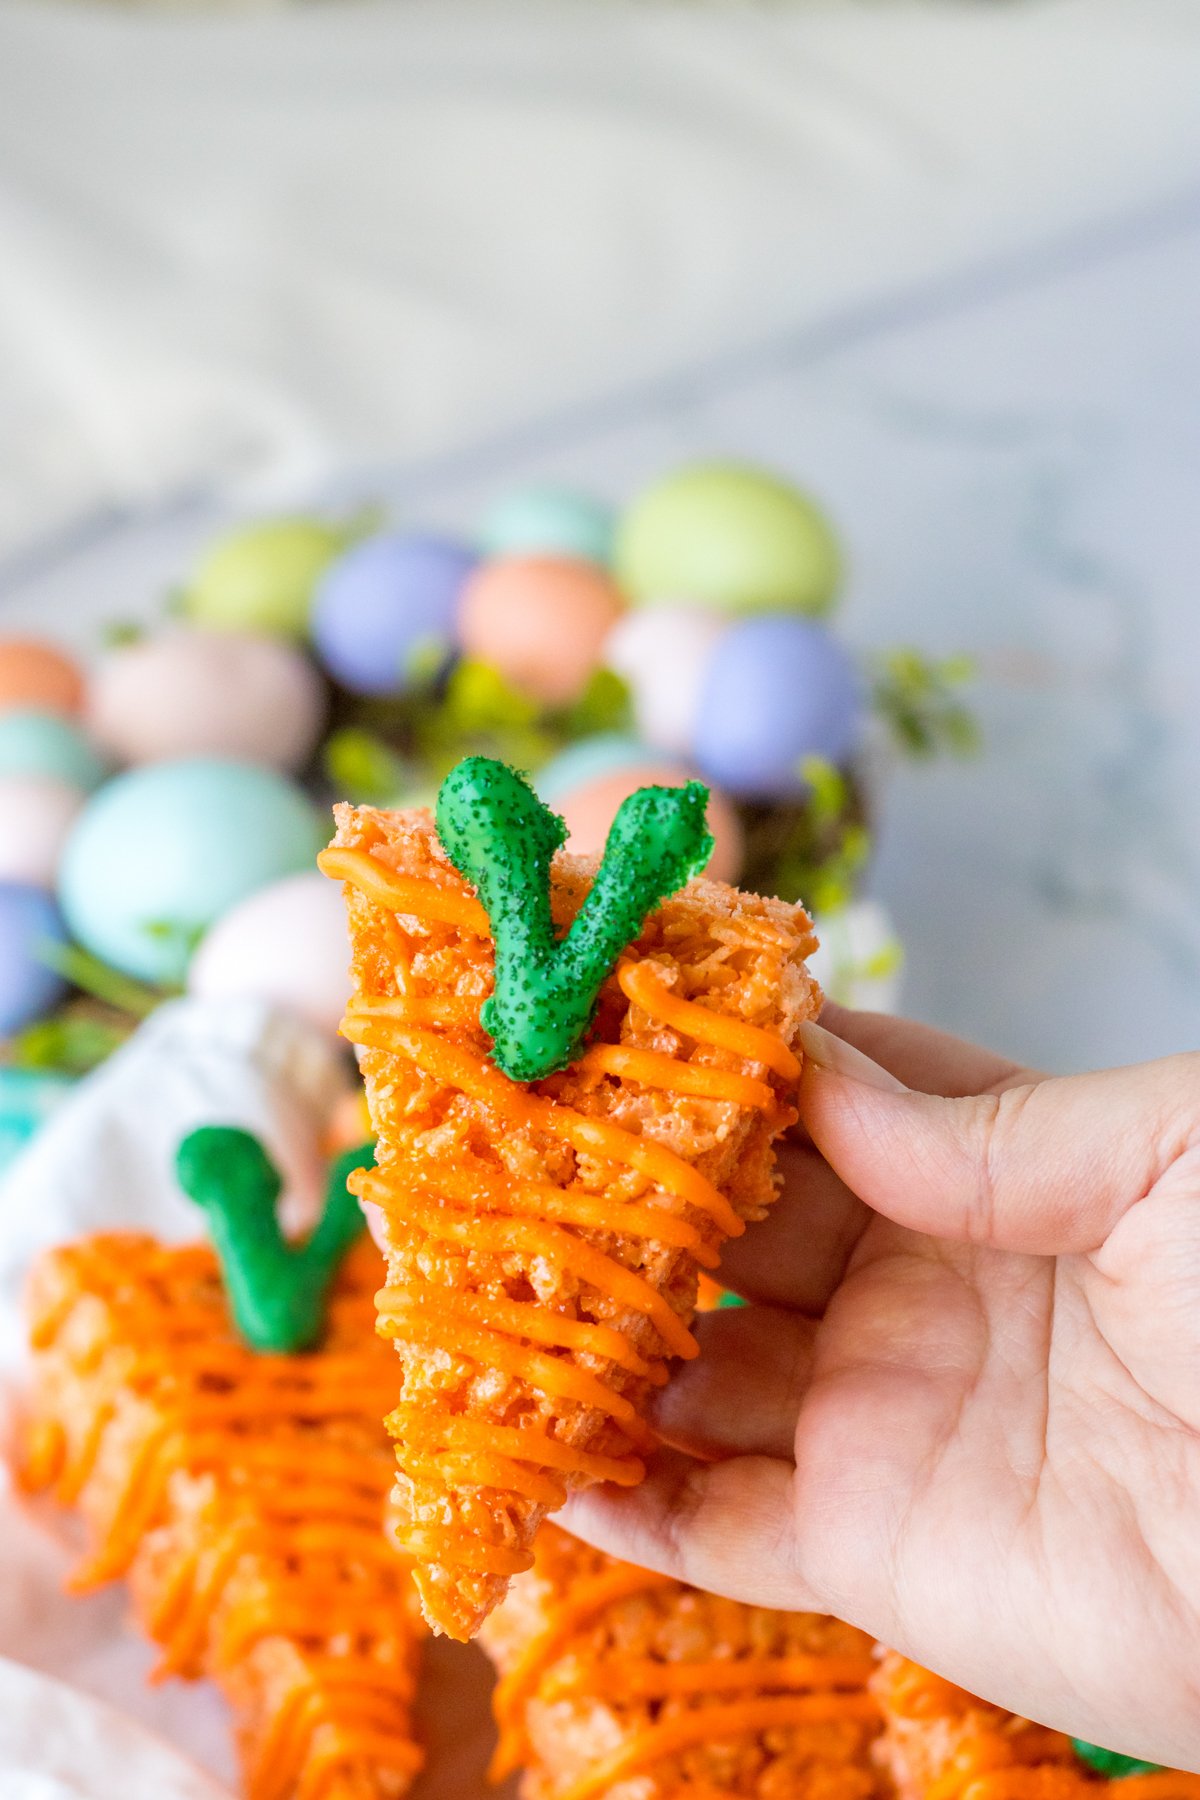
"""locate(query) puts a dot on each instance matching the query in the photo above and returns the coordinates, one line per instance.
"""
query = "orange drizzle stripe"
(412, 897)
(570, 1206)
(417, 1427)
(715, 1724)
(649, 1068)
(465, 1553)
(577, 1609)
(639, 983)
(342, 1748)
(558, 1246)
(421, 1320)
(651, 1680)
(484, 1468)
(528, 1319)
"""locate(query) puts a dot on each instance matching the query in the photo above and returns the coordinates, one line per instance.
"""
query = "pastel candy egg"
(782, 689)
(587, 791)
(549, 521)
(385, 611)
(185, 692)
(36, 813)
(540, 620)
(46, 743)
(28, 986)
(286, 944)
(730, 537)
(37, 674)
(663, 653)
(163, 851)
(261, 577)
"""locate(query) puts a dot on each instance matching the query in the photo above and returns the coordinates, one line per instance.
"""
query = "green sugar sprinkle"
(501, 838)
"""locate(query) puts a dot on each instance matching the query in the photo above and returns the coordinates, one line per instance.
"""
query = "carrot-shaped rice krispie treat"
(576, 1091)
(614, 1681)
(241, 1492)
(941, 1743)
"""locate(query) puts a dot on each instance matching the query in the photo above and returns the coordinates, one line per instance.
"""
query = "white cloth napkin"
(239, 251)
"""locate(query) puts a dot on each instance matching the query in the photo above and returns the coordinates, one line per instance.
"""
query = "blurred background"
(934, 263)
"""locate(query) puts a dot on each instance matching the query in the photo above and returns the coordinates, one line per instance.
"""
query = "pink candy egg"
(36, 813)
(286, 944)
(589, 810)
(539, 620)
(193, 692)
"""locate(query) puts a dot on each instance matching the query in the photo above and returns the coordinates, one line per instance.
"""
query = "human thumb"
(1047, 1167)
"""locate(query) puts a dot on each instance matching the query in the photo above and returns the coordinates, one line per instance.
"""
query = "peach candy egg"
(540, 620)
(189, 692)
(36, 674)
(36, 813)
(590, 808)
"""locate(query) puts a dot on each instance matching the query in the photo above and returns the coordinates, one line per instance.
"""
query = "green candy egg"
(730, 537)
(262, 577)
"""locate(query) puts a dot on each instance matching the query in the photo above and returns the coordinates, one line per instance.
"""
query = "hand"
(963, 1408)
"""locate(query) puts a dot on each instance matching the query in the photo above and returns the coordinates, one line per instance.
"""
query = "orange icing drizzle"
(715, 1724)
(576, 1608)
(303, 1502)
(489, 1211)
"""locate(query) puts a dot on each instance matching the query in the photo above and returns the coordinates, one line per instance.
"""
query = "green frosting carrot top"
(501, 838)
(277, 1290)
(1111, 1762)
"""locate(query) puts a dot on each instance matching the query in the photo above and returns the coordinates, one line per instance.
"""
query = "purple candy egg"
(384, 612)
(28, 986)
(782, 689)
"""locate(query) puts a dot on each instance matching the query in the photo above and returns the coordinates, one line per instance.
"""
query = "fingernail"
(837, 1057)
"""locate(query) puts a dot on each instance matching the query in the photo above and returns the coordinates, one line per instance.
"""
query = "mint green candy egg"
(162, 852)
(730, 537)
(263, 577)
(45, 743)
(549, 521)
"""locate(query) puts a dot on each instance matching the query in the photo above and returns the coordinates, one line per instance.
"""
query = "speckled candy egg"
(286, 944)
(262, 577)
(163, 851)
(28, 986)
(730, 537)
(184, 692)
(37, 674)
(541, 621)
(663, 654)
(36, 814)
(385, 611)
(549, 521)
(588, 782)
(45, 743)
(781, 689)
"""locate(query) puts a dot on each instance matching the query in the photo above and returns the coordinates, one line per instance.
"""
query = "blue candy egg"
(162, 852)
(780, 690)
(587, 761)
(384, 612)
(45, 743)
(550, 521)
(28, 985)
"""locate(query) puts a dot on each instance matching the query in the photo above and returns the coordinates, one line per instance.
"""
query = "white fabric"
(245, 249)
(56, 1744)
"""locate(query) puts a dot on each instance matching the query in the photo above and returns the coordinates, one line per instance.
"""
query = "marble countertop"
(1011, 458)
